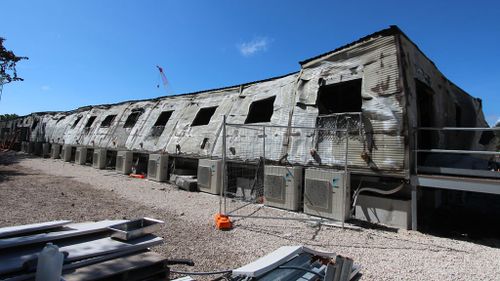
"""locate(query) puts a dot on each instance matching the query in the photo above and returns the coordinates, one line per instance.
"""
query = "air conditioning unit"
(66, 154)
(38, 148)
(55, 151)
(158, 167)
(324, 192)
(81, 155)
(210, 175)
(24, 146)
(99, 158)
(283, 187)
(30, 147)
(46, 152)
(124, 162)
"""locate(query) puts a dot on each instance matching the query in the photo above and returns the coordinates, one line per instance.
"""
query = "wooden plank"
(133, 267)
(77, 229)
(29, 228)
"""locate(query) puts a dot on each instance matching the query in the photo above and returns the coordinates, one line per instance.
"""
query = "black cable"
(303, 269)
(201, 273)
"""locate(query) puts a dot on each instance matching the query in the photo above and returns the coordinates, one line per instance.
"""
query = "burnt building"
(383, 83)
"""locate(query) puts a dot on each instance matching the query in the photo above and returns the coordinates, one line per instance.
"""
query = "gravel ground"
(35, 190)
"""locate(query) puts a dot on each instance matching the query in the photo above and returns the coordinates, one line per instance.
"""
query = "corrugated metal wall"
(382, 148)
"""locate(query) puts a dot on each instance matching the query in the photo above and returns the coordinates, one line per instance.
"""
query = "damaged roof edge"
(391, 30)
(88, 107)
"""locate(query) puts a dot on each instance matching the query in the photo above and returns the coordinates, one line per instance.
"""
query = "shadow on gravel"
(5, 175)
(468, 225)
(368, 225)
(9, 157)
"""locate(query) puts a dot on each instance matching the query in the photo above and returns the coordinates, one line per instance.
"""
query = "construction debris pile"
(119, 250)
(103, 250)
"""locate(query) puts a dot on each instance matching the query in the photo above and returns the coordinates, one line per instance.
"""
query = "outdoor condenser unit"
(66, 155)
(324, 193)
(283, 187)
(124, 162)
(158, 167)
(24, 146)
(38, 148)
(31, 147)
(46, 152)
(81, 155)
(55, 151)
(210, 175)
(99, 158)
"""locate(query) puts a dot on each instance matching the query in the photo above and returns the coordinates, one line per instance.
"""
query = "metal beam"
(490, 186)
(453, 151)
(458, 172)
(457, 129)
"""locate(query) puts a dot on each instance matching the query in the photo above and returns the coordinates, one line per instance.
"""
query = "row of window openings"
(337, 98)
(260, 111)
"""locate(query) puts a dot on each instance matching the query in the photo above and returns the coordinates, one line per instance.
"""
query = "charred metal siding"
(375, 61)
(387, 63)
(446, 98)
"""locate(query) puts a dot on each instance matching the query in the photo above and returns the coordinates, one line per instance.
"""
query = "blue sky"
(94, 52)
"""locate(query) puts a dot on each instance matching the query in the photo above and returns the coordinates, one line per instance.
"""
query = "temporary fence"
(264, 164)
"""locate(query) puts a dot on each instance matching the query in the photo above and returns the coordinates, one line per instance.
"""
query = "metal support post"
(344, 195)
(414, 199)
(224, 182)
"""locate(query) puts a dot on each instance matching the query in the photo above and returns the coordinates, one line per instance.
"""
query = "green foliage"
(4, 117)
(8, 61)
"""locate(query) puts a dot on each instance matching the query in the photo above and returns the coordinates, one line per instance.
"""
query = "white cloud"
(256, 45)
(45, 88)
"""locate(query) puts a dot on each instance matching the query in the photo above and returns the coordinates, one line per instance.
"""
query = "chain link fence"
(267, 164)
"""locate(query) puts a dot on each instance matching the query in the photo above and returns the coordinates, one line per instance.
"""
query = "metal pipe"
(263, 150)
(223, 172)
(457, 129)
(415, 135)
(244, 127)
(280, 218)
(376, 190)
(344, 192)
(278, 126)
(240, 207)
(452, 151)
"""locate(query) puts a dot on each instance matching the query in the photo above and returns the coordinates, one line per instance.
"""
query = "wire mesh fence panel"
(292, 168)
(244, 160)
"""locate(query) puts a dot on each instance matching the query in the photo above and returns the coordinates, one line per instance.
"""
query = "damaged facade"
(383, 76)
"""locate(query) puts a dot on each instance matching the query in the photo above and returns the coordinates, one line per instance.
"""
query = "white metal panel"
(124, 161)
(283, 187)
(158, 167)
(210, 175)
(99, 158)
(324, 192)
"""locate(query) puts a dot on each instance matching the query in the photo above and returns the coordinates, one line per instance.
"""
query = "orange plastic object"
(222, 222)
(137, 176)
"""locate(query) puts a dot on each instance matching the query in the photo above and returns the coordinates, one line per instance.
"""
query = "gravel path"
(35, 189)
